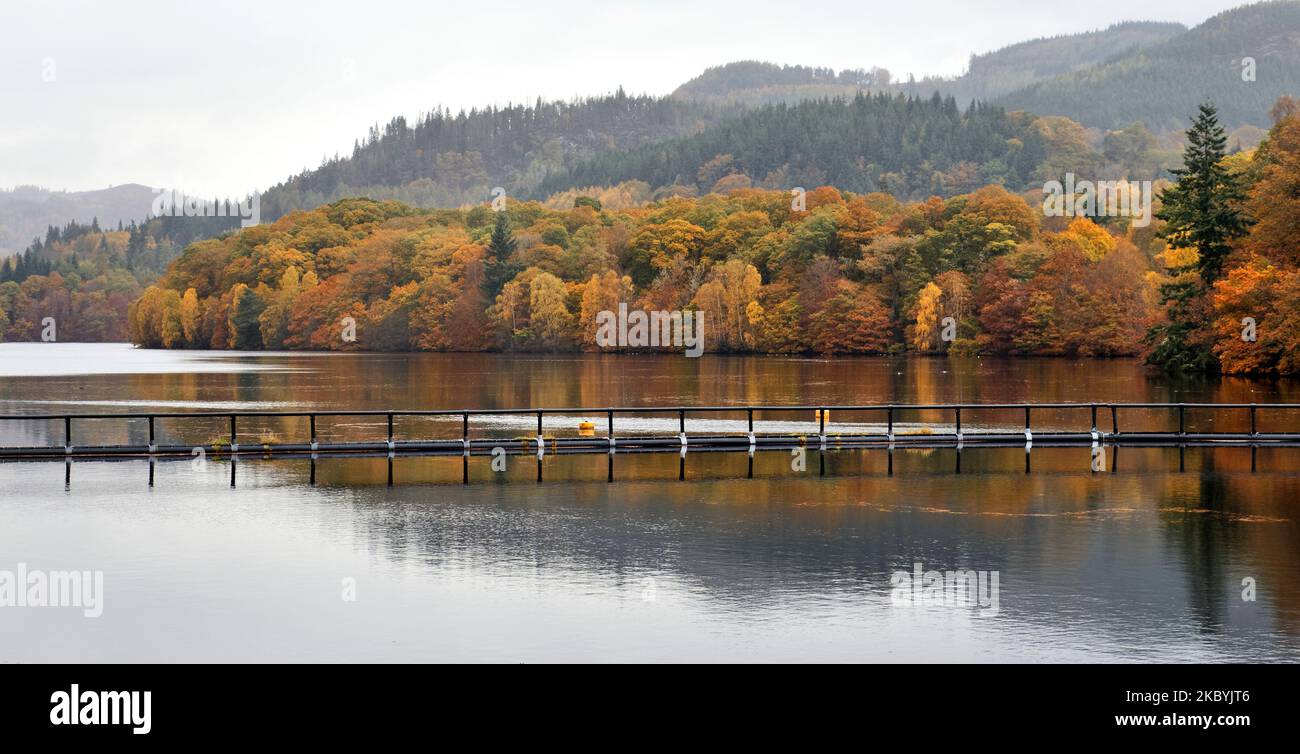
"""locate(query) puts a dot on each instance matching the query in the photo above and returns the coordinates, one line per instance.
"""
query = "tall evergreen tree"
(497, 267)
(245, 328)
(1201, 213)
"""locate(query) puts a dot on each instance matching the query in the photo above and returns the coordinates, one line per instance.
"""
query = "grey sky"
(229, 96)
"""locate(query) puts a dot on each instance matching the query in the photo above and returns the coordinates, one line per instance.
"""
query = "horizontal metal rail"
(650, 410)
(927, 435)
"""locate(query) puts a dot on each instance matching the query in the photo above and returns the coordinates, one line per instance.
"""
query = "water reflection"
(1145, 546)
(423, 381)
(1143, 564)
(1134, 561)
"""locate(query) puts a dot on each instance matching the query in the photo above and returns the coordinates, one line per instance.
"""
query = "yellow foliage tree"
(1092, 238)
(191, 316)
(929, 311)
(725, 301)
(550, 322)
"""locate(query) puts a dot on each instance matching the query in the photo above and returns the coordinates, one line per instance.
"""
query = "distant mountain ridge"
(1164, 83)
(27, 212)
(1003, 71)
(1134, 72)
(988, 75)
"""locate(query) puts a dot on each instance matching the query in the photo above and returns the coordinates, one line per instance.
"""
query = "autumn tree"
(191, 316)
(852, 321)
(170, 328)
(1275, 196)
(929, 311)
(601, 293)
(725, 301)
(273, 323)
(550, 322)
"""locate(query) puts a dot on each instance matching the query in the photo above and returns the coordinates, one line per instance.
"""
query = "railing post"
(749, 413)
(151, 435)
(234, 435)
(390, 433)
(681, 426)
(609, 417)
(1029, 432)
(541, 446)
(1254, 427)
(464, 439)
(67, 435)
(957, 411)
(1114, 419)
(889, 424)
(311, 422)
(1182, 420)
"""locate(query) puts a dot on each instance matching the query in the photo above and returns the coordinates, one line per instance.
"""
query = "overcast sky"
(227, 96)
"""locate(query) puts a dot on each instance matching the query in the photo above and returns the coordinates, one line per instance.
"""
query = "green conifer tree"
(1201, 212)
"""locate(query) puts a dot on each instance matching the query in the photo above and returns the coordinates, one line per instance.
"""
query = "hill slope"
(1148, 72)
(1163, 84)
(449, 160)
(28, 212)
(990, 75)
(906, 146)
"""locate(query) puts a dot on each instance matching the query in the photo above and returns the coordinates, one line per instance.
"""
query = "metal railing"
(882, 434)
(886, 415)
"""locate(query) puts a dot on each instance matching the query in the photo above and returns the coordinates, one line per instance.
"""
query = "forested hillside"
(841, 272)
(756, 83)
(1147, 72)
(447, 159)
(27, 212)
(1136, 72)
(851, 273)
(1163, 85)
(607, 185)
(85, 276)
(908, 147)
(1000, 72)
(988, 75)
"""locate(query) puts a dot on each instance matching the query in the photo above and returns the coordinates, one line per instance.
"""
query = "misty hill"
(1135, 72)
(988, 76)
(1161, 85)
(755, 83)
(27, 212)
(997, 73)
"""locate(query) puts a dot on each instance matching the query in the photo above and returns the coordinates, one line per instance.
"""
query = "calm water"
(1142, 564)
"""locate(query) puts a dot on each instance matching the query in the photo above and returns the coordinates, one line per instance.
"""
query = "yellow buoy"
(586, 428)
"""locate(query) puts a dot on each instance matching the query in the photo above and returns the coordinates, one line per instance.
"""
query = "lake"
(800, 563)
